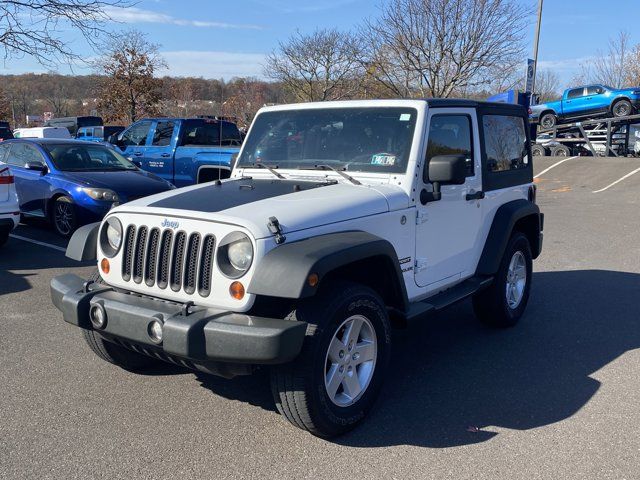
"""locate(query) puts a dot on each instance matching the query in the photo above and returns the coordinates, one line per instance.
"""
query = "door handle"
(479, 195)
(165, 155)
(137, 154)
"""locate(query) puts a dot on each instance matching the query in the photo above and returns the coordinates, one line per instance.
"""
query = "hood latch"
(274, 228)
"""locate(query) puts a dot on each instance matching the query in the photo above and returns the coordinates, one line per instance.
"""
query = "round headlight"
(114, 236)
(240, 254)
(111, 237)
(235, 255)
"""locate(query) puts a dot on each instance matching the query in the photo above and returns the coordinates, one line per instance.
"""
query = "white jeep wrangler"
(340, 220)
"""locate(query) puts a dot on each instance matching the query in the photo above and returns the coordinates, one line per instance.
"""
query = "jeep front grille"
(167, 259)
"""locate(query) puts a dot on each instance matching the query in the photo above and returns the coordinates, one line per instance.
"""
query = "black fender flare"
(83, 243)
(284, 271)
(504, 222)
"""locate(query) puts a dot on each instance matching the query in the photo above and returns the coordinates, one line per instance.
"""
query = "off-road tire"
(622, 108)
(112, 353)
(548, 120)
(299, 387)
(491, 305)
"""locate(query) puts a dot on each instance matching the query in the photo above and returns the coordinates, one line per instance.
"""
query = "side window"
(575, 93)
(23, 153)
(230, 135)
(200, 132)
(450, 135)
(595, 90)
(137, 134)
(162, 135)
(98, 132)
(4, 149)
(81, 133)
(505, 143)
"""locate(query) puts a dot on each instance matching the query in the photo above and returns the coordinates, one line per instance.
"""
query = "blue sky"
(222, 39)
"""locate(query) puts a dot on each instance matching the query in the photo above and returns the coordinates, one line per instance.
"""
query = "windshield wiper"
(262, 165)
(329, 167)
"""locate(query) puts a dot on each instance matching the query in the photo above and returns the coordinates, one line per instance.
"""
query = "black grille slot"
(206, 264)
(165, 258)
(151, 263)
(138, 260)
(191, 266)
(128, 253)
(177, 263)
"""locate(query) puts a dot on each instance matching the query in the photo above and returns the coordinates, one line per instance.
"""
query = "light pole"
(535, 47)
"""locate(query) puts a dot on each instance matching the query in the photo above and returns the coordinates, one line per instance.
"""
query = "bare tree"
(323, 65)
(129, 89)
(547, 85)
(610, 67)
(632, 74)
(440, 47)
(32, 27)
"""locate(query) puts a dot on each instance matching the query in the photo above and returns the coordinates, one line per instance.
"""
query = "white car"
(340, 220)
(42, 132)
(9, 207)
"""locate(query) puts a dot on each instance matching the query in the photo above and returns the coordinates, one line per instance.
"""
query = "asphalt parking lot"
(556, 397)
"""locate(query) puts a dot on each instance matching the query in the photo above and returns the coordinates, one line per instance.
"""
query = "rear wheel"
(548, 120)
(622, 108)
(332, 385)
(538, 151)
(560, 151)
(504, 302)
(64, 217)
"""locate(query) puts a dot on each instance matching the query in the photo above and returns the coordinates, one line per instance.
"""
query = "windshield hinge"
(274, 228)
(421, 217)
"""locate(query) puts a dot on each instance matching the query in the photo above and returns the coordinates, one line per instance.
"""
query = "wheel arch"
(518, 215)
(617, 99)
(52, 200)
(357, 256)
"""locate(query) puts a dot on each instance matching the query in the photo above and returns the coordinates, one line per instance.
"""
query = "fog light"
(98, 317)
(237, 290)
(155, 331)
(104, 265)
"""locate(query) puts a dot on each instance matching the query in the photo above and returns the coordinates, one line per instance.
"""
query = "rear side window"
(575, 93)
(505, 143)
(450, 135)
(137, 134)
(230, 135)
(162, 135)
(23, 153)
(201, 133)
(595, 90)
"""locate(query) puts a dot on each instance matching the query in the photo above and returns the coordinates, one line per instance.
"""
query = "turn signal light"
(313, 279)
(237, 290)
(104, 266)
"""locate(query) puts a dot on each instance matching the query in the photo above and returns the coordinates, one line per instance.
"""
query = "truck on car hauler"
(340, 220)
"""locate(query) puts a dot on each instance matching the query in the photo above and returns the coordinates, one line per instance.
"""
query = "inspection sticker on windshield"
(385, 159)
(405, 117)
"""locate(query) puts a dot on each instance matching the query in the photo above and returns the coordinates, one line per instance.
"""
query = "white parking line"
(25, 239)
(617, 181)
(554, 165)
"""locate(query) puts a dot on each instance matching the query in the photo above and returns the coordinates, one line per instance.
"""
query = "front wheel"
(622, 108)
(504, 302)
(332, 385)
(63, 216)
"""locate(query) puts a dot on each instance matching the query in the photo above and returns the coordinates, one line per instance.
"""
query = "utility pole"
(535, 47)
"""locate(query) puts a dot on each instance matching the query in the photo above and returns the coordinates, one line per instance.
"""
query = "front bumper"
(194, 335)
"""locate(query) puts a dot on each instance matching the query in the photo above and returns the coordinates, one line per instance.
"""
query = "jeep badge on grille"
(169, 223)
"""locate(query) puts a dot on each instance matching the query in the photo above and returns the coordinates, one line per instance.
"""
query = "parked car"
(590, 101)
(98, 134)
(340, 220)
(5, 133)
(183, 151)
(9, 208)
(70, 182)
(41, 132)
(74, 123)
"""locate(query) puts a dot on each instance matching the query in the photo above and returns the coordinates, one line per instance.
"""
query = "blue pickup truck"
(588, 101)
(183, 151)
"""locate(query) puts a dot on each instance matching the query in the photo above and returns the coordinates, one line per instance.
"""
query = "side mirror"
(36, 166)
(444, 170)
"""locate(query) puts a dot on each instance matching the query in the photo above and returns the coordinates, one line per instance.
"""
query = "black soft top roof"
(465, 103)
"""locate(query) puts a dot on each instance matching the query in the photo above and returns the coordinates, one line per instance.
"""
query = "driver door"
(448, 230)
(31, 185)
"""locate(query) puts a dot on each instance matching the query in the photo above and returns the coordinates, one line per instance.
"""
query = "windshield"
(80, 158)
(355, 139)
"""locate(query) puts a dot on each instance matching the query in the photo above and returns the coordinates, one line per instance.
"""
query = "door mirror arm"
(434, 196)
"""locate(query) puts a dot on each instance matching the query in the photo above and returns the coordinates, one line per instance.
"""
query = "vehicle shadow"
(451, 378)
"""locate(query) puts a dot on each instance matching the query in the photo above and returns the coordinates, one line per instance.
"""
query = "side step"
(448, 297)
